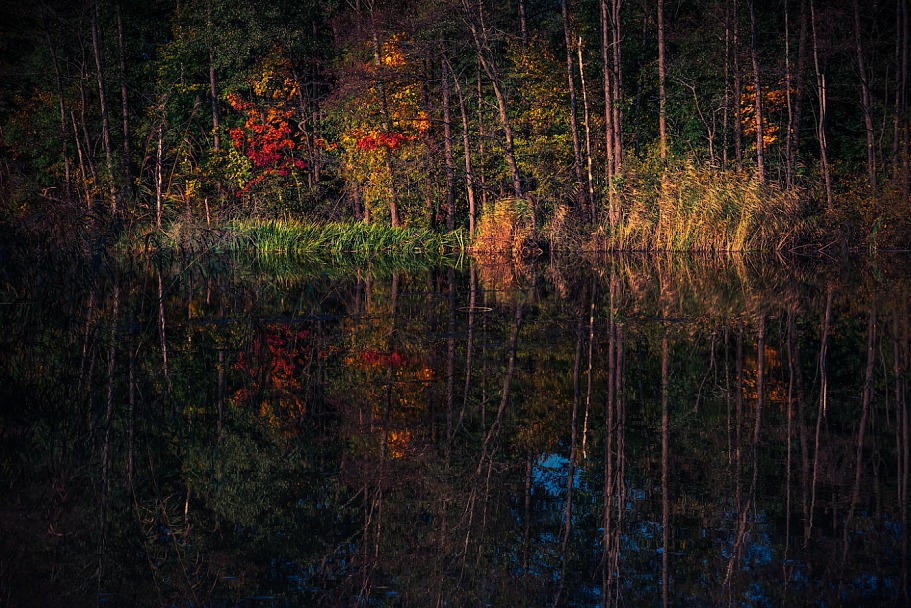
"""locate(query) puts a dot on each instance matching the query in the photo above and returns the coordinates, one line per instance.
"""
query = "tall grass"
(300, 239)
(689, 208)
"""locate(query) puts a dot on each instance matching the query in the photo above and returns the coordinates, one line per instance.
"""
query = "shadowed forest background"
(581, 124)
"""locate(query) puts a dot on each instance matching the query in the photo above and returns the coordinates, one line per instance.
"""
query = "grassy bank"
(299, 239)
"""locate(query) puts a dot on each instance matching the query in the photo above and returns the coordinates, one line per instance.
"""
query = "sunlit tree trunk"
(523, 23)
(609, 128)
(789, 133)
(588, 136)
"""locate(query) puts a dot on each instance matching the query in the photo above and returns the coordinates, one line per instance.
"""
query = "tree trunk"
(577, 153)
(609, 133)
(618, 87)
(789, 134)
(125, 108)
(102, 99)
(447, 153)
(821, 123)
(490, 68)
(662, 94)
(523, 23)
(469, 175)
(384, 109)
(588, 136)
(63, 128)
(754, 55)
(738, 88)
(866, 99)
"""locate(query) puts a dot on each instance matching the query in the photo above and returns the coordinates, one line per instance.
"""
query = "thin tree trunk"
(102, 99)
(727, 87)
(63, 128)
(523, 23)
(617, 105)
(158, 172)
(469, 174)
(447, 153)
(577, 152)
(609, 133)
(866, 99)
(490, 68)
(757, 85)
(125, 108)
(738, 90)
(662, 93)
(799, 86)
(387, 126)
(82, 169)
(789, 135)
(213, 99)
(588, 136)
(821, 124)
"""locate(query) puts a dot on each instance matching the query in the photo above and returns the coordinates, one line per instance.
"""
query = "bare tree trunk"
(213, 99)
(738, 90)
(63, 128)
(482, 158)
(866, 99)
(662, 93)
(754, 55)
(821, 124)
(608, 117)
(727, 87)
(906, 140)
(490, 68)
(469, 174)
(125, 108)
(523, 23)
(102, 98)
(577, 153)
(447, 153)
(789, 135)
(158, 172)
(588, 136)
(794, 126)
(82, 165)
(617, 105)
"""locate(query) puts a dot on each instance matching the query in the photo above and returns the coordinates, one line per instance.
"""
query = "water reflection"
(628, 431)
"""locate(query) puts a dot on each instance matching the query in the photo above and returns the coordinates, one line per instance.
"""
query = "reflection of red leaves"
(276, 360)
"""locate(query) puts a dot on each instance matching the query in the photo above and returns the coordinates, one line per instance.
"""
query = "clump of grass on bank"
(290, 237)
(506, 230)
(702, 209)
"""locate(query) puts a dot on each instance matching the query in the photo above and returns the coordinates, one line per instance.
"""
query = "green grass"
(352, 241)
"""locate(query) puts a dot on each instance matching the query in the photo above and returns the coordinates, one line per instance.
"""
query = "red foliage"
(378, 140)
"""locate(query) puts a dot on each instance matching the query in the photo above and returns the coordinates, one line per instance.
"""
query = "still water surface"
(630, 431)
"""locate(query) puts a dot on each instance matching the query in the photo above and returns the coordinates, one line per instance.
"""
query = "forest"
(577, 125)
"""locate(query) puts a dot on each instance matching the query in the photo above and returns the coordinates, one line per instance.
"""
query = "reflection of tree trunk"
(571, 466)
(469, 346)
(789, 346)
(162, 333)
(526, 535)
(864, 411)
(665, 446)
(820, 415)
(507, 380)
(131, 397)
(588, 389)
(450, 365)
(613, 476)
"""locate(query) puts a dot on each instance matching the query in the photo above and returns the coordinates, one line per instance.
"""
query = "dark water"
(631, 431)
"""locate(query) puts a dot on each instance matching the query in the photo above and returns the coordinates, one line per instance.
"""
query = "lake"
(614, 431)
